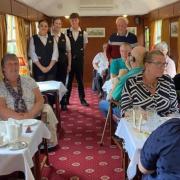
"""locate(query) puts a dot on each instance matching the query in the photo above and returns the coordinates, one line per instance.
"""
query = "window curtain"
(165, 31)
(152, 34)
(33, 28)
(3, 39)
(21, 43)
(178, 69)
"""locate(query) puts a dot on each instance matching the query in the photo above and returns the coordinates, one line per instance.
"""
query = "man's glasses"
(131, 58)
(159, 64)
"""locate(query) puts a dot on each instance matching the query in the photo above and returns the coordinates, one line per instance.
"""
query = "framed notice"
(96, 32)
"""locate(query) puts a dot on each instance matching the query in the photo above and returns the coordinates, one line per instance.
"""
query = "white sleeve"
(96, 59)
(55, 54)
(32, 52)
(85, 35)
(68, 44)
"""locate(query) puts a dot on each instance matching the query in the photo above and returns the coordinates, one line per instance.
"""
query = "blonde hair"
(150, 55)
(122, 18)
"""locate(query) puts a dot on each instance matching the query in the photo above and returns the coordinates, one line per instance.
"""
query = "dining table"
(133, 140)
(12, 160)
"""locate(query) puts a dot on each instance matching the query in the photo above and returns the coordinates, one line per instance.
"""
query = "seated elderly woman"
(151, 89)
(20, 97)
(135, 64)
(159, 158)
(171, 67)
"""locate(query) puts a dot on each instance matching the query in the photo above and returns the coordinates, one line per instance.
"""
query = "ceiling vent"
(96, 4)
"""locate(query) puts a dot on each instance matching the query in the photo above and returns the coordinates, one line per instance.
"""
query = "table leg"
(37, 166)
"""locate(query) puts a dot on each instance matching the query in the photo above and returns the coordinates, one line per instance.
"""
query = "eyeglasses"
(131, 58)
(159, 64)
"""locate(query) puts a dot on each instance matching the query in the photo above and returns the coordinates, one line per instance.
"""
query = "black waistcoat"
(62, 48)
(77, 47)
(44, 53)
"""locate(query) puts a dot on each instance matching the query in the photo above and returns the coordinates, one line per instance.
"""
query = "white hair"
(161, 46)
(122, 18)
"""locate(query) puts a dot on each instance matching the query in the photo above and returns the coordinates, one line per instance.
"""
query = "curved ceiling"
(96, 7)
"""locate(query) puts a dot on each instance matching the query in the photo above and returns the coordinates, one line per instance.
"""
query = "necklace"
(150, 86)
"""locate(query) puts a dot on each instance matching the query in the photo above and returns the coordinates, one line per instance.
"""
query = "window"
(146, 37)
(158, 26)
(11, 34)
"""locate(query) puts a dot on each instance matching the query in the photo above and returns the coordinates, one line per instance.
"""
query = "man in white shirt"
(171, 67)
(78, 39)
(64, 60)
(101, 64)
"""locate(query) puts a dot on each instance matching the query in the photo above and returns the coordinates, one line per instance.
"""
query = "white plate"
(3, 144)
(29, 122)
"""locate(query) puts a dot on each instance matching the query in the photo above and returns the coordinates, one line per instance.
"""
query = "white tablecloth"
(134, 142)
(21, 160)
(51, 86)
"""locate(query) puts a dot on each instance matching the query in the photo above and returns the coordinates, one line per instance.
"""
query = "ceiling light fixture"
(125, 15)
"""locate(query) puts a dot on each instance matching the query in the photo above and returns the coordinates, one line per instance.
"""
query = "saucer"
(3, 144)
(18, 145)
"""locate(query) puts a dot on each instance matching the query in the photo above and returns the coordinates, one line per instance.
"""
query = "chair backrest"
(177, 81)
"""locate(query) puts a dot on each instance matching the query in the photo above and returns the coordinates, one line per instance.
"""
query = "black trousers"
(61, 75)
(77, 71)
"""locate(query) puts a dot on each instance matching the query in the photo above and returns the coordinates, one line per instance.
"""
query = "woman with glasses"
(171, 67)
(151, 89)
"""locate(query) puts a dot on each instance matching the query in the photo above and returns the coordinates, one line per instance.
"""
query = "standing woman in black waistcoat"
(78, 39)
(64, 61)
(44, 54)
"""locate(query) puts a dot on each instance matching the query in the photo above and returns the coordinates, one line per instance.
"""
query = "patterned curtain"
(33, 28)
(165, 31)
(21, 41)
(3, 38)
(21, 44)
(152, 34)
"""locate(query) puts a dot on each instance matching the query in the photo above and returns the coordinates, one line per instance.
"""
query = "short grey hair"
(161, 46)
(8, 57)
(122, 18)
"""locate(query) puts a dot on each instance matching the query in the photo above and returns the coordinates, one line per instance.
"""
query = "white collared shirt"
(171, 67)
(68, 44)
(76, 34)
(43, 39)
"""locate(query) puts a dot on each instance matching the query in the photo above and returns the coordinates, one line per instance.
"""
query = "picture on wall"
(174, 29)
(96, 32)
(132, 30)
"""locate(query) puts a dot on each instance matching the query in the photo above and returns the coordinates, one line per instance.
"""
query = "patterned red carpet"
(80, 156)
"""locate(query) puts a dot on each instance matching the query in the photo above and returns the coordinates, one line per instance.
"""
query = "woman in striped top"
(151, 89)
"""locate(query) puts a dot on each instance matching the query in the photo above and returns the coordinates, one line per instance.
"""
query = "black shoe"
(64, 108)
(84, 103)
(67, 101)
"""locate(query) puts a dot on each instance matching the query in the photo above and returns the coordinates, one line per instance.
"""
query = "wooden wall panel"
(19, 9)
(31, 14)
(166, 12)
(5, 6)
(95, 44)
(177, 9)
(153, 15)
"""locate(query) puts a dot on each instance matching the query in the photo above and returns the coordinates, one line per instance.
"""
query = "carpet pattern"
(80, 156)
